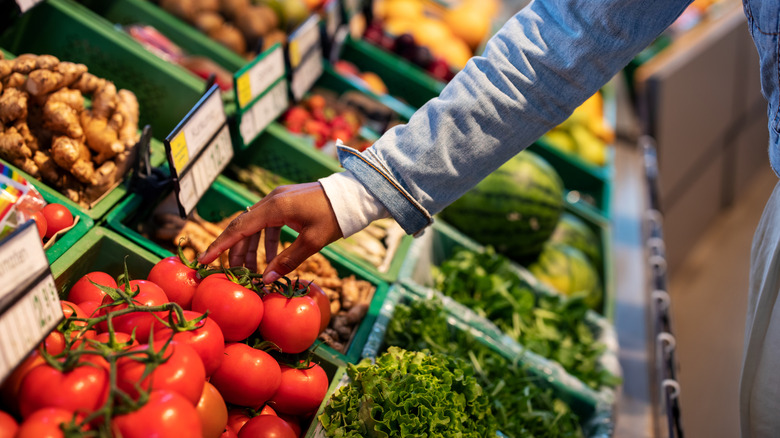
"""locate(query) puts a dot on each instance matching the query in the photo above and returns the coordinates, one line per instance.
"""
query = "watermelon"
(574, 232)
(514, 209)
(568, 270)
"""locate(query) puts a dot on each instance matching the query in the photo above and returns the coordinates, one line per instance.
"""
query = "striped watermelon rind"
(568, 270)
(514, 209)
(573, 231)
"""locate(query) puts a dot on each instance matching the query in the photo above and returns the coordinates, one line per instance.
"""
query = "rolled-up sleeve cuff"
(409, 214)
(354, 206)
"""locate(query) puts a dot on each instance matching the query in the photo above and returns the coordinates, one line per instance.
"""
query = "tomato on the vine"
(212, 411)
(40, 222)
(292, 421)
(182, 372)
(323, 303)
(237, 418)
(55, 341)
(58, 218)
(236, 309)
(292, 324)
(301, 390)
(206, 339)
(149, 295)
(82, 389)
(167, 414)
(267, 426)
(247, 376)
(9, 391)
(8, 425)
(83, 290)
(47, 423)
(178, 280)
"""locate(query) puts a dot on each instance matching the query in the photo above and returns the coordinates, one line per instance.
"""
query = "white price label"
(199, 177)
(305, 51)
(26, 322)
(263, 112)
(21, 259)
(198, 128)
(25, 5)
(257, 78)
(332, 18)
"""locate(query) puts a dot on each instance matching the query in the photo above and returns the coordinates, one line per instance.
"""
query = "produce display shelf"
(83, 223)
(220, 202)
(441, 241)
(165, 92)
(595, 410)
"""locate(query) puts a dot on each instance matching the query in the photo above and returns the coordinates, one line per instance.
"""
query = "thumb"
(290, 258)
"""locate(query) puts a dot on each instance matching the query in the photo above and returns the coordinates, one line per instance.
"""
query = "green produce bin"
(222, 200)
(165, 92)
(594, 409)
(104, 250)
(83, 223)
(403, 79)
(440, 242)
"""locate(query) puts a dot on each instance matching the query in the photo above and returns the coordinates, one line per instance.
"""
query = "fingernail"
(270, 277)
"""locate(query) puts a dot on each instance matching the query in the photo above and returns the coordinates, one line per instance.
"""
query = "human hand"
(303, 207)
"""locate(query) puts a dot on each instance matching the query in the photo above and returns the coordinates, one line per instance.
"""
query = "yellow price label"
(295, 53)
(181, 156)
(244, 89)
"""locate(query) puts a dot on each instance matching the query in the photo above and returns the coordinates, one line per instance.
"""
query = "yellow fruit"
(561, 140)
(431, 33)
(469, 23)
(403, 9)
(589, 147)
(374, 82)
(399, 26)
(454, 51)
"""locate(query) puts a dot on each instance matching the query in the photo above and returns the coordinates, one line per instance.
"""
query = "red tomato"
(228, 433)
(45, 423)
(84, 290)
(90, 307)
(122, 341)
(40, 222)
(177, 280)
(149, 294)
(301, 390)
(212, 411)
(82, 389)
(183, 372)
(207, 339)
(247, 377)
(236, 309)
(58, 217)
(323, 303)
(167, 414)
(237, 418)
(292, 421)
(8, 425)
(293, 324)
(9, 391)
(267, 426)
(267, 410)
(55, 341)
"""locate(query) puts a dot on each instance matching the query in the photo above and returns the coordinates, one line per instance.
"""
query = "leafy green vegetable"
(521, 408)
(411, 394)
(551, 326)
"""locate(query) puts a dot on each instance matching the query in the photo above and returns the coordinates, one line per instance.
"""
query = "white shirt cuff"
(355, 207)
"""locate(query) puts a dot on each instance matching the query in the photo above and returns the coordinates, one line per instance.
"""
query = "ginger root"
(73, 155)
(100, 138)
(13, 105)
(62, 118)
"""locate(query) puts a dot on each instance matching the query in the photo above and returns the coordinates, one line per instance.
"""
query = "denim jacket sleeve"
(543, 63)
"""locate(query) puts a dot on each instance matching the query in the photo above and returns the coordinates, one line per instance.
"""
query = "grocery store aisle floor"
(709, 296)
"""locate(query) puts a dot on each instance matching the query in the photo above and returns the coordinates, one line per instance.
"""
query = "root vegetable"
(100, 138)
(42, 82)
(73, 156)
(6, 67)
(70, 72)
(29, 139)
(13, 105)
(88, 83)
(15, 80)
(62, 118)
(207, 22)
(253, 23)
(104, 100)
(25, 63)
(127, 110)
(233, 8)
(185, 9)
(73, 98)
(49, 170)
(230, 37)
(47, 62)
(12, 145)
(207, 5)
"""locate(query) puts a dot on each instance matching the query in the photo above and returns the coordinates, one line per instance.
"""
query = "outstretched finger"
(244, 225)
(250, 258)
(290, 258)
(272, 242)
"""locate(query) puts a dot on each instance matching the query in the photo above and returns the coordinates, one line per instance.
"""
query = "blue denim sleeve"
(542, 64)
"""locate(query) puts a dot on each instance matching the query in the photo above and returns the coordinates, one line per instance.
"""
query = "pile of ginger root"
(46, 130)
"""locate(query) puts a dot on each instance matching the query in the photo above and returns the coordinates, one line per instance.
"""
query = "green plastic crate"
(405, 80)
(165, 92)
(221, 201)
(594, 409)
(83, 224)
(104, 250)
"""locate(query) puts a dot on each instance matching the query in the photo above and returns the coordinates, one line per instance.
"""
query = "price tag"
(255, 119)
(305, 54)
(29, 304)
(252, 80)
(198, 149)
(25, 5)
(332, 18)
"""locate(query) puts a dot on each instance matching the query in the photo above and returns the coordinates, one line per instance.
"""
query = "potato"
(230, 37)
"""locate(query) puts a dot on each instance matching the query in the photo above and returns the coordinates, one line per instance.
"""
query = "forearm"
(542, 64)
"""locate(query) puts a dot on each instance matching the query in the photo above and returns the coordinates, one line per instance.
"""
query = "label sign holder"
(261, 93)
(333, 19)
(25, 5)
(304, 53)
(29, 303)
(198, 149)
